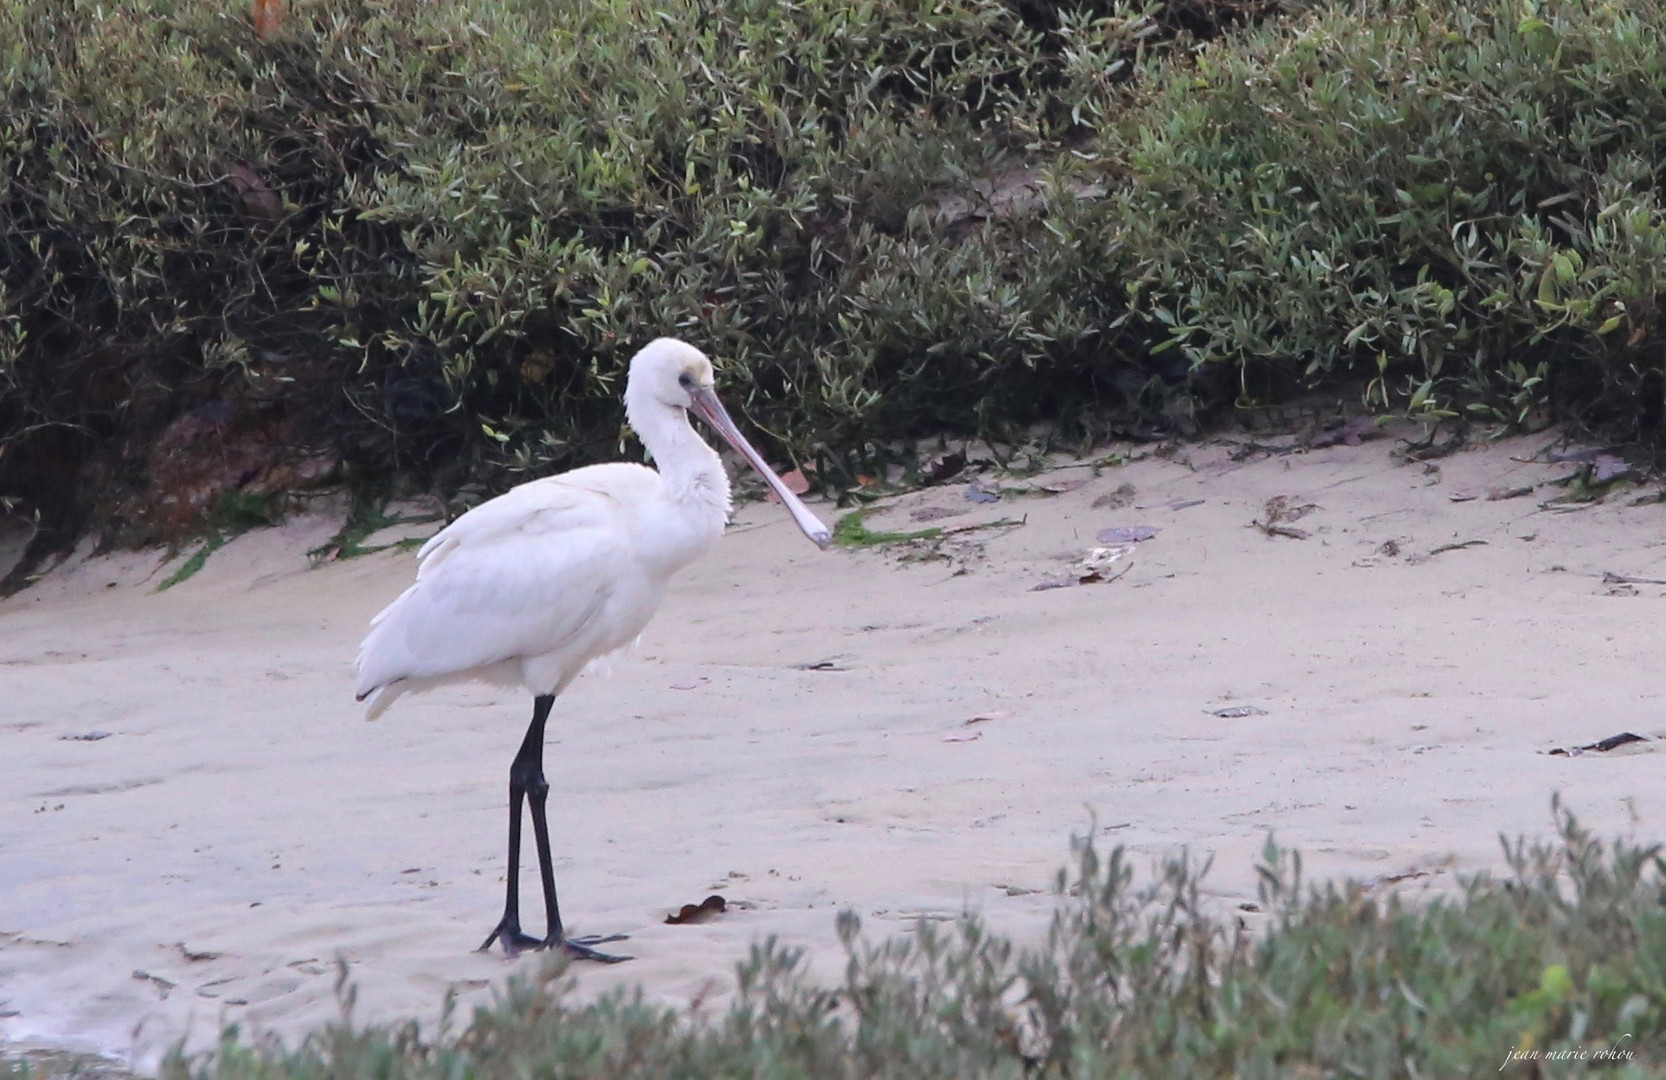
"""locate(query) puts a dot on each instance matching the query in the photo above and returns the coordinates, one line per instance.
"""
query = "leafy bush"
(427, 236)
(1465, 197)
(424, 237)
(1567, 956)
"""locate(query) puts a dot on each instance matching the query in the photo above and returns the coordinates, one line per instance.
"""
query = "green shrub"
(424, 237)
(427, 236)
(1567, 955)
(1459, 200)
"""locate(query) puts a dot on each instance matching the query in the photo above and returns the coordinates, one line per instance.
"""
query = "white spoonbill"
(528, 588)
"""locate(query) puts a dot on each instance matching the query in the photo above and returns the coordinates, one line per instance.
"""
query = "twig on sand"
(1611, 578)
(1415, 559)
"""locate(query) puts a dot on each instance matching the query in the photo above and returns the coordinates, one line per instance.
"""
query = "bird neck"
(690, 470)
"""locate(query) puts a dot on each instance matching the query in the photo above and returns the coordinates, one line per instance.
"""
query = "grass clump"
(235, 512)
(1565, 956)
(849, 531)
(192, 566)
(365, 518)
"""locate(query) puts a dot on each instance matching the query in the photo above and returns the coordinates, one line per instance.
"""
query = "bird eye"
(686, 380)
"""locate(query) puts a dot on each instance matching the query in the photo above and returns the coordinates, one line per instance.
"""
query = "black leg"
(527, 765)
(583, 948)
(526, 779)
(537, 795)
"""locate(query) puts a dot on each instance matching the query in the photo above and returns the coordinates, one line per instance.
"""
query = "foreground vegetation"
(1562, 961)
(422, 238)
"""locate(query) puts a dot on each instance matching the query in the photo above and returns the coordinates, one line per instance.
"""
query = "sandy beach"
(196, 822)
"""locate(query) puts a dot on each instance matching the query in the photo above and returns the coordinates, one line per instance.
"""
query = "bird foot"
(516, 942)
(584, 948)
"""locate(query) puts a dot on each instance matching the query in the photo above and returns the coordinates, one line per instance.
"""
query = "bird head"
(669, 372)
(672, 373)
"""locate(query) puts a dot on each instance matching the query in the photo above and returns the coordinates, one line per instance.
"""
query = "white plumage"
(533, 585)
(528, 587)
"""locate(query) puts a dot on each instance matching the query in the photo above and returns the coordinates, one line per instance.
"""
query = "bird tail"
(380, 660)
(380, 698)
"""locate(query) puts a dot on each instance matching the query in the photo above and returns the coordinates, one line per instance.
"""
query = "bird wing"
(518, 576)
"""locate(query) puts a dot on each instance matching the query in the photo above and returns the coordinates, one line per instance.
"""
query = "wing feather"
(522, 575)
